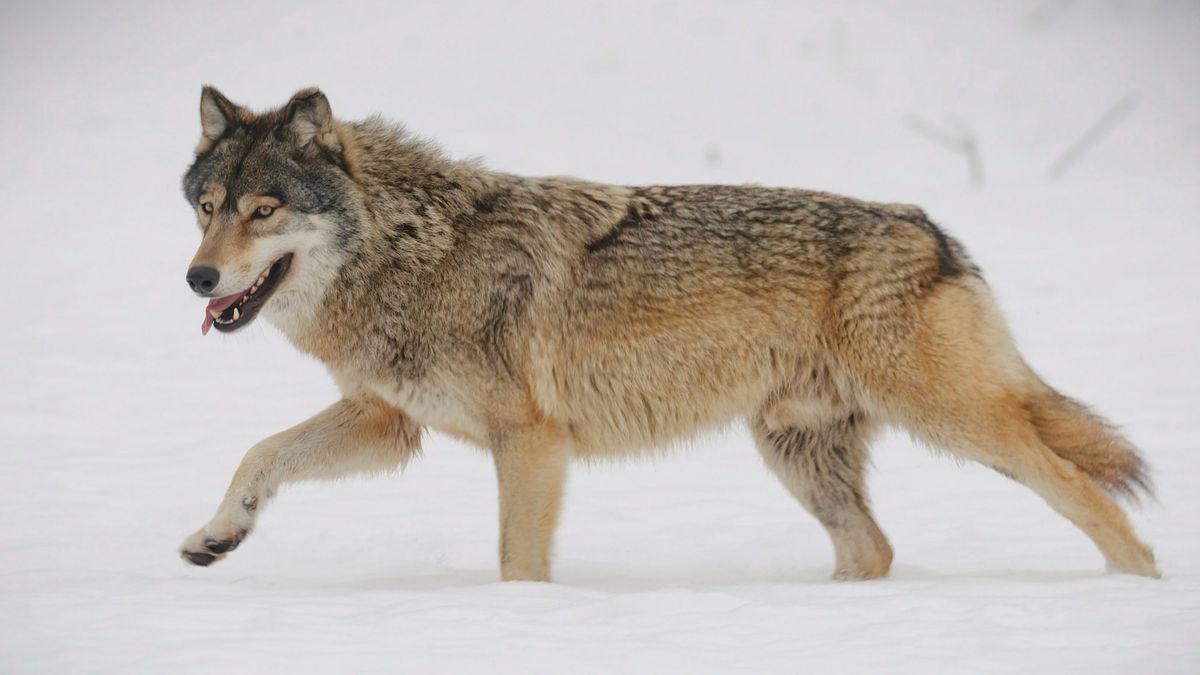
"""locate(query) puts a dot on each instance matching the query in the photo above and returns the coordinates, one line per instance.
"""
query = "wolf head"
(276, 207)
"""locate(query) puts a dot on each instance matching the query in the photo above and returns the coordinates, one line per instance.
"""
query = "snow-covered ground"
(120, 426)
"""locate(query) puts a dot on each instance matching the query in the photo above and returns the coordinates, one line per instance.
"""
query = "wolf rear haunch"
(546, 319)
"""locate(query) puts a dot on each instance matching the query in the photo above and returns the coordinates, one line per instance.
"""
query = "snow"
(120, 426)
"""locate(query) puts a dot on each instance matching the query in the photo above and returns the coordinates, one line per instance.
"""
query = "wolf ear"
(217, 114)
(308, 119)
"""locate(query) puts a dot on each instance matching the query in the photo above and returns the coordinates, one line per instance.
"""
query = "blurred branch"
(1091, 136)
(962, 142)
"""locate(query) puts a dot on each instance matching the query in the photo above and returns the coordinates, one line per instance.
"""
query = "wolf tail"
(1087, 440)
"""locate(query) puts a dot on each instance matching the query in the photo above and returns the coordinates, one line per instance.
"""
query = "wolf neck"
(409, 202)
(412, 194)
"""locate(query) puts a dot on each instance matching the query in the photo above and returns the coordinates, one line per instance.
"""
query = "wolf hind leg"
(964, 388)
(997, 432)
(823, 464)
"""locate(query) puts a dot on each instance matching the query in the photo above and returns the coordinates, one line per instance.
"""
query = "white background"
(120, 426)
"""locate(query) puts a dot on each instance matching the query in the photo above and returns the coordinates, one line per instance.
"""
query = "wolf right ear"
(217, 114)
(308, 119)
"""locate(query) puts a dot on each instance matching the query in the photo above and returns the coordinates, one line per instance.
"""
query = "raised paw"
(204, 549)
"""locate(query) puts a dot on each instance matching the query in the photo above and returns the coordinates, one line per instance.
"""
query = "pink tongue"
(220, 305)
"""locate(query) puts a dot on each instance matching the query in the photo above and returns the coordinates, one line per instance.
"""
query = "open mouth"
(232, 312)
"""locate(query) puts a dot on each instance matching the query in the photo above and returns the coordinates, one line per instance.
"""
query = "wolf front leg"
(351, 436)
(531, 467)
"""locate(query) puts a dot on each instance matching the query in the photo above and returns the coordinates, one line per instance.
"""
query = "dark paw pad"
(219, 546)
(196, 558)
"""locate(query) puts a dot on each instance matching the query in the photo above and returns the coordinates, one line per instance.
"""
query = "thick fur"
(550, 319)
(1081, 437)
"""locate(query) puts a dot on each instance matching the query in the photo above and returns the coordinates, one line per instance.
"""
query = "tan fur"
(545, 319)
(1079, 436)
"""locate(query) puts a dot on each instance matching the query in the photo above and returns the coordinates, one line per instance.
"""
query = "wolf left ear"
(217, 114)
(308, 119)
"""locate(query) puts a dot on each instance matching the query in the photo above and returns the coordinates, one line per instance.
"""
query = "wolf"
(552, 319)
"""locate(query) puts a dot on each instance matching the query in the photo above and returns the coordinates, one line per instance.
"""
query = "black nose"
(203, 279)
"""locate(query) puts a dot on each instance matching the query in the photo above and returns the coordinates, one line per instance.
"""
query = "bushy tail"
(1084, 438)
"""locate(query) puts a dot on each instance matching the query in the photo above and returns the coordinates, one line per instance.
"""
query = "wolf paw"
(858, 573)
(204, 548)
(1139, 561)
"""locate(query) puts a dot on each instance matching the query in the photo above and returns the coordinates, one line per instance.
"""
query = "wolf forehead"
(252, 159)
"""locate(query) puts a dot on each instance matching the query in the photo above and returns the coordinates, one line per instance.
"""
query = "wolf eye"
(207, 208)
(262, 212)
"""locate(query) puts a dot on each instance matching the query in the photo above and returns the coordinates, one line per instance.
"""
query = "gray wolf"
(551, 319)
